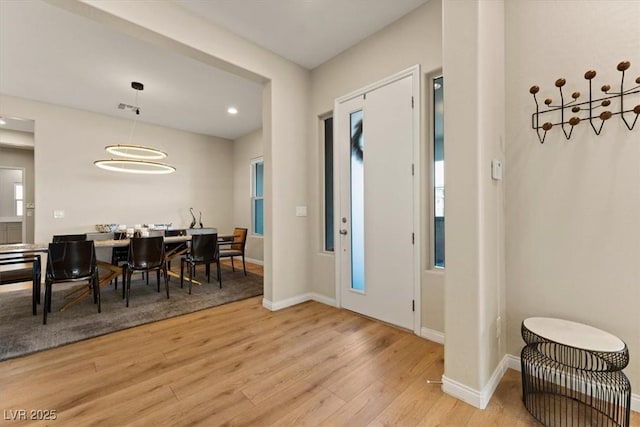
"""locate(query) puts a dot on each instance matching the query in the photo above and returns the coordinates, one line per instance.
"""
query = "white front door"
(375, 146)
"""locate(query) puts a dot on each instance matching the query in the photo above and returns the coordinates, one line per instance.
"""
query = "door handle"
(343, 232)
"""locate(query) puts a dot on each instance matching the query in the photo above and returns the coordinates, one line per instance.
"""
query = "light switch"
(301, 211)
(496, 169)
(30, 205)
(58, 214)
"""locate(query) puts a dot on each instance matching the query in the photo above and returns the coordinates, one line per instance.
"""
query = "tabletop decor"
(107, 228)
(193, 219)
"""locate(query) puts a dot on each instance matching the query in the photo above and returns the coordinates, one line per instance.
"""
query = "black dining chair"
(71, 261)
(146, 254)
(23, 267)
(68, 238)
(174, 249)
(203, 250)
(119, 254)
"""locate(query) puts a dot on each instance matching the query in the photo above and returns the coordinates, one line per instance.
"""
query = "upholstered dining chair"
(22, 267)
(146, 254)
(236, 247)
(203, 250)
(71, 261)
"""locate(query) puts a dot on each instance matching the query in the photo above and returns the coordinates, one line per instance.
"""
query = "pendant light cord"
(135, 121)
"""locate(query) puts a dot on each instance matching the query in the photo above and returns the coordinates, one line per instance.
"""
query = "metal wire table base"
(566, 386)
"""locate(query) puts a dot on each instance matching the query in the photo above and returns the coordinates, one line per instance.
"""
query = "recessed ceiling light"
(2, 121)
(232, 110)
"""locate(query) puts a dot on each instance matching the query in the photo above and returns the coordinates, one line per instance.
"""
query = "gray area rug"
(22, 333)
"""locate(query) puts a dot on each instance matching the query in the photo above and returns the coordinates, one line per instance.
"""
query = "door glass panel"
(357, 202)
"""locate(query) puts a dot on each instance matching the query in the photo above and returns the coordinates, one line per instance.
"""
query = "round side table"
(572, 374)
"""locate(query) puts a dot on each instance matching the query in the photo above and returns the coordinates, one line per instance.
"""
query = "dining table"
(112, 271)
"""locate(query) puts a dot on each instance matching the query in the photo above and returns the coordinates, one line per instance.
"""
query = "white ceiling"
(50, 55)
(307, 32)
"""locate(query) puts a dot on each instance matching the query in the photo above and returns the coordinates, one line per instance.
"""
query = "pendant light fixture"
(137, 158)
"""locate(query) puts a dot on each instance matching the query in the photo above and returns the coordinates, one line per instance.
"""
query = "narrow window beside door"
(438, 171)
(257, 196)
(328, 185)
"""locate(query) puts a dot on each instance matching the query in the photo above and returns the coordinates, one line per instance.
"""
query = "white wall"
(67, 141)
(16, 139)
(414, 39)
(246, 149)
(573, 207)
(473, 63)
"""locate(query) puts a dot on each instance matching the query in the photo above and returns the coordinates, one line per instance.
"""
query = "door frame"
(413, 71)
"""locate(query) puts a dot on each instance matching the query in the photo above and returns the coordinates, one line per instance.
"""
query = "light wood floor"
(240, 364)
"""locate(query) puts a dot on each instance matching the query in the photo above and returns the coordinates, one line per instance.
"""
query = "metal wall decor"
(596, 110)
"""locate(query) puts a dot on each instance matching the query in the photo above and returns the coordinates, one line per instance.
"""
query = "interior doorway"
(17, 181)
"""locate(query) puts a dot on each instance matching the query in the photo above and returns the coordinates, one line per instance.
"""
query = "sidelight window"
(257, 196)
(438, 172)
(328, 185)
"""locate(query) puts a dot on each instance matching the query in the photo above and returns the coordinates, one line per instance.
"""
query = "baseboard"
(432, 335)
(514, 363)
(254, 261)
(478, 398)
(298, 299)
(461, 392)
(324, 299)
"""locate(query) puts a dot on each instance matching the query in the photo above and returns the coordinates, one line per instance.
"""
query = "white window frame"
(18, 201)
(254, 163)
(432, 180)
(323, 199)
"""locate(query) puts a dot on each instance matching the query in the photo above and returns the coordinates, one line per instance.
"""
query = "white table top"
(108, 243)
(574, 334)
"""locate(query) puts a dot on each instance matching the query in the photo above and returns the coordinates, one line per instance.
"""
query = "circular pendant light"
(137, 158)
(134, 166)
(135, 152)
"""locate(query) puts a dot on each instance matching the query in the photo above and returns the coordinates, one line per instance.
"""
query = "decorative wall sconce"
(611, 104)
(137, 157)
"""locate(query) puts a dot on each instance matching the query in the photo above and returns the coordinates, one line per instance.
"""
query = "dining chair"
(174, 249)
(203, 250)
(146, 254)
(119, 254)
(68, 238)
(71, 261)
(24, 267)
(236, 247)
